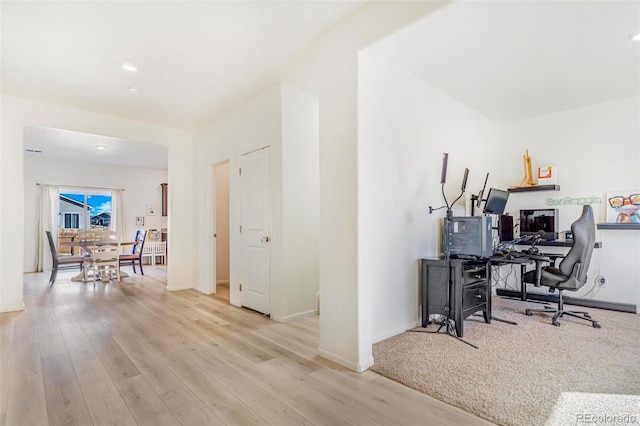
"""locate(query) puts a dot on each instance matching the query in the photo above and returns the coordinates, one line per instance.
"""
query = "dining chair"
(104, 260)
(59, 261)
(136, 253)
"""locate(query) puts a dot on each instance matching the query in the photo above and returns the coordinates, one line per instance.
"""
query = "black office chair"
(571, 273)
(59, 261)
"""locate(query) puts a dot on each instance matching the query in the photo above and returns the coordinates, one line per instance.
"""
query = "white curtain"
(117, 214)
(48, 208)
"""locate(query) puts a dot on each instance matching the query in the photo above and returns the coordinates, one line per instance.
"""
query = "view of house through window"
(85, 210)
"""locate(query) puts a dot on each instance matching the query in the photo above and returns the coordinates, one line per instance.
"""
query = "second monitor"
(496, 201)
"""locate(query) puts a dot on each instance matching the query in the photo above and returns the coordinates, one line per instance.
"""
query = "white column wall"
(300, 210)
(406, 124)
(16, 113)
(345, 299)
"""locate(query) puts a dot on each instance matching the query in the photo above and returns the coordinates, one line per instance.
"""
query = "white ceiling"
(81, 147)
(508, 60)
(195, 59)
(520, 59)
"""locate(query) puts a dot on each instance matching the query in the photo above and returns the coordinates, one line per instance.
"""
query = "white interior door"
(255, 279)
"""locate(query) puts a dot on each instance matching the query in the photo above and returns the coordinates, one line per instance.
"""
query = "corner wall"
(405, 126)
(596, 150)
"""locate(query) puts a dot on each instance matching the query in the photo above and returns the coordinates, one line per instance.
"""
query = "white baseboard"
(178, 288)
(204, 291)
(395, 332)
(358, 367)
(16, 308)
(292, 317)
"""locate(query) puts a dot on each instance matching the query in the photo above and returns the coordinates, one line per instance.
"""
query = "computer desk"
(521, 259)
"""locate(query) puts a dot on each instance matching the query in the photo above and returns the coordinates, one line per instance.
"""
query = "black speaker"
(505, 229)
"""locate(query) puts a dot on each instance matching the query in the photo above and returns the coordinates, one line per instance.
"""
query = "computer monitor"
(496, 201)
(534, 221)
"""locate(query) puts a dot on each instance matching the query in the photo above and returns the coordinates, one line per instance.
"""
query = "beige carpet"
(527, 374)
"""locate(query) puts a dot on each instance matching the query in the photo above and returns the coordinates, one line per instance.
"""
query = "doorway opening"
(221, 233)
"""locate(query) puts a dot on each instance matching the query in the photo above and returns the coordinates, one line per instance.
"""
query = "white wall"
(300, 205)
(345, 301)
(596, 150)
(286, 119)
(142, 187)
(250, 126)
(17, 113)
(405, 126)
(222, 223)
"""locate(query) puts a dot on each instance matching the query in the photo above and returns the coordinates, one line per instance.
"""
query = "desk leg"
(523, 285)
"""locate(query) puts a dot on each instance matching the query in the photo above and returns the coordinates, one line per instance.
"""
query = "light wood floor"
(133, 353)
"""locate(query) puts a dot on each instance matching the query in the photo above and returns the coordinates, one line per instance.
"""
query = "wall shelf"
(623, 226)
(535, 188)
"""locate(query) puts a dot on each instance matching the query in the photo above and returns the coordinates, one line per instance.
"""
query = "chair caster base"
(556, 323)
(596, 325)
(528, 313)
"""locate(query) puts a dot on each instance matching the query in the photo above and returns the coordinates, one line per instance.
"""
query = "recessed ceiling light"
(100, 147)
(134, 89)
(128, 66)
(635, 37)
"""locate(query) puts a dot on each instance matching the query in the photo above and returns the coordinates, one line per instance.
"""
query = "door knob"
(264, 239)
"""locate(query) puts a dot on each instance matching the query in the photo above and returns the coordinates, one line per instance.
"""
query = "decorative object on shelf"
(139, 220)
(153, 235)
(165, 195)
(152, 210)
(623, 207)
(528, 175)
(547, 175)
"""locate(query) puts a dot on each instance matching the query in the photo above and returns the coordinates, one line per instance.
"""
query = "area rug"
(523, 374)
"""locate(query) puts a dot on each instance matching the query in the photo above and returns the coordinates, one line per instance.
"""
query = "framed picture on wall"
(139, 220)
(152, 210)
(623, 206)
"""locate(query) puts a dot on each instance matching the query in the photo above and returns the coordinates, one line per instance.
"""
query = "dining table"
(86, 247)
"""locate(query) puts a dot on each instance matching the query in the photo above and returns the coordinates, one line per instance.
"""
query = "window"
(85, 209)
(72, 220)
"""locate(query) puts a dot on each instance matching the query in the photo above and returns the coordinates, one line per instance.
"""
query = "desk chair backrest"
(584, 237)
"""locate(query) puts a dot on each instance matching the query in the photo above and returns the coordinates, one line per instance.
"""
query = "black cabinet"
(456, 289)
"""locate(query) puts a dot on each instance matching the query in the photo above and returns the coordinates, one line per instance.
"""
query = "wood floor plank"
(188, 409)
(114, 359)
(225, 405)
(65, 402)
(158, 375)
(103, 400)
(5, 376)
(307, 406)
(263, 403)
(144, 403)
(142, 355)
(27, 402)
(341, 402)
